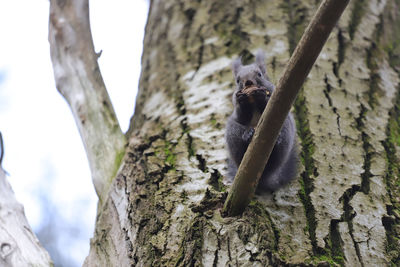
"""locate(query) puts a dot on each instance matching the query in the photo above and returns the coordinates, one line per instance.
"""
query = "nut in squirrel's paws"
(252, 91)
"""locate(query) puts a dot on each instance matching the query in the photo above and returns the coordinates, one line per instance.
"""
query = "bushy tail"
(287, 173)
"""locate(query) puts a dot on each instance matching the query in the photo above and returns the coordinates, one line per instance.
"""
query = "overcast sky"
(44, 155)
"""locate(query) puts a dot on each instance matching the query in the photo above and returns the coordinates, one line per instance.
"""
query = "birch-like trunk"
(163, 207)
(19, 246)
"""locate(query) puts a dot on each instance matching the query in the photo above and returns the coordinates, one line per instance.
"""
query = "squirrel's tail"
(287, 173)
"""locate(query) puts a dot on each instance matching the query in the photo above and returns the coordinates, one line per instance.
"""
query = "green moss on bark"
(389, 45)
(117, 163)
(189, 253)
(357, 13)
(307, 160)
(392, 223)
(296, 21)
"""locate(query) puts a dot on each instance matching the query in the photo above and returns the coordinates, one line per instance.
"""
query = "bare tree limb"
(18, 244)
(1, 148)
(79, 80)
(279, 105)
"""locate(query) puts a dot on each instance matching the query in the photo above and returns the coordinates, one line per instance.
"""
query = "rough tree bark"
(163, 206)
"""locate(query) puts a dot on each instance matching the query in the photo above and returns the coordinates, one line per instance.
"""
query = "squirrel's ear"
(260, 60)
(236, 64)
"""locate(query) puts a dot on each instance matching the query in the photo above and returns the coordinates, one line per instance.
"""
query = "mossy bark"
(164, 205)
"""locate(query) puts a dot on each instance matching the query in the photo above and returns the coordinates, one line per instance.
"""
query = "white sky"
(43, 150)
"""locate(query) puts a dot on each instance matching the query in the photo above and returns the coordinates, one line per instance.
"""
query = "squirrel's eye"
(259, 74)
(237, 80)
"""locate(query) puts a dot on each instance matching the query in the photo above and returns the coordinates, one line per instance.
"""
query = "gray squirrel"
(248, 107)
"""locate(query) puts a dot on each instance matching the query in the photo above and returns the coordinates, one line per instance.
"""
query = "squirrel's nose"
(248, 83)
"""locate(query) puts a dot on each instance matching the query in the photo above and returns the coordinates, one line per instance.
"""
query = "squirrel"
(253, 90)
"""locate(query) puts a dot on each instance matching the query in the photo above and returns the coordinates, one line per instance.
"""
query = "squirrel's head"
(253, 74)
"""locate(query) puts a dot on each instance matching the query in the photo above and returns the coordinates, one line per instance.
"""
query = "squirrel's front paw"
(248, 135)
(260, 97)
(241, 98)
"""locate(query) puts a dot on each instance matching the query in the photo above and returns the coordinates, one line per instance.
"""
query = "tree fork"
(271, 121)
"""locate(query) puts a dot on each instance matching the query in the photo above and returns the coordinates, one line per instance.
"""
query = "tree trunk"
(164, 206)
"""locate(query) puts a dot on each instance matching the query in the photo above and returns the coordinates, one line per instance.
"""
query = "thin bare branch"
(1, 148)
(279, 105)
(79, 80)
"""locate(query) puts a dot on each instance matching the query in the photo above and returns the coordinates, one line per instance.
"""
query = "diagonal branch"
(279, 105)
(79, 80)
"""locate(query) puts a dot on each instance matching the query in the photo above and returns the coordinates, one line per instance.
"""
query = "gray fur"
(282, 164)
